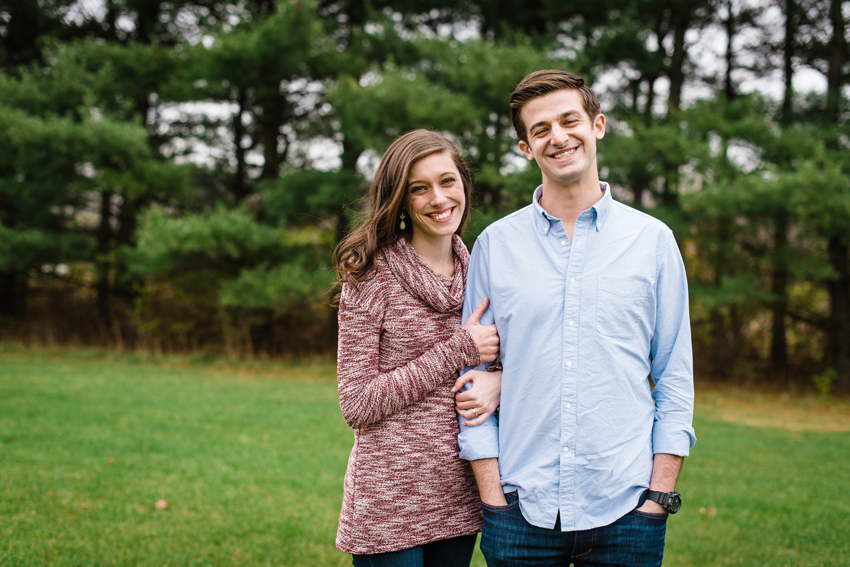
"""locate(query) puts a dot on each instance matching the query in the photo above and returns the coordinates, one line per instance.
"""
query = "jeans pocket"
(513, 502)
(651, 516)
(619, 306)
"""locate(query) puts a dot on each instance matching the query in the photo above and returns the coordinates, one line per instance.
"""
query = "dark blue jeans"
(635, 540)
(452, 552)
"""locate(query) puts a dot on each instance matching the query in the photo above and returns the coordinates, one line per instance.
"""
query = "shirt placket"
(575, 255)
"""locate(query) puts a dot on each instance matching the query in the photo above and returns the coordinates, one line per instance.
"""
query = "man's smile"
(565, 153)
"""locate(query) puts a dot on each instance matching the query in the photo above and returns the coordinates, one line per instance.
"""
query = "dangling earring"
(401, 225)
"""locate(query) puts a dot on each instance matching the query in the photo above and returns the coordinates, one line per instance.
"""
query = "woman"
(409, 499)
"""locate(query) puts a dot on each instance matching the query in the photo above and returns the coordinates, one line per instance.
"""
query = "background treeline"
(174, 175)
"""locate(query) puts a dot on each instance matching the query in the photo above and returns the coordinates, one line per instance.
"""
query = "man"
(590, 298)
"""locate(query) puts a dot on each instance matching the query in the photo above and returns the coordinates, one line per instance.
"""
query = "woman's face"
(435, 197)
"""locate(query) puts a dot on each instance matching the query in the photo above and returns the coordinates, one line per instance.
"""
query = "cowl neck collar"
(443, 293)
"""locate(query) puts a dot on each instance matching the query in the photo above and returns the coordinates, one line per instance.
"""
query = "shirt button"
(563, 243)
(572, 280)
(569, 363)
(566, 449)
(567, 405)
(571, 323)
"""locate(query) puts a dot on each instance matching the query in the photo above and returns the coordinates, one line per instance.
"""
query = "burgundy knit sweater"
(400, 348)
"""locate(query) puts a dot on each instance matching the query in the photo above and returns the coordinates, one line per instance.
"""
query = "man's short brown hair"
(544, 82)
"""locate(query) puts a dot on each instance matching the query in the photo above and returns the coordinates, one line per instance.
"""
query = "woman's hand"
(481, 400)
(485, 336)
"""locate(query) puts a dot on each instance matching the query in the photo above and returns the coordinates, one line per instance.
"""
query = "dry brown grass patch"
(748, 405)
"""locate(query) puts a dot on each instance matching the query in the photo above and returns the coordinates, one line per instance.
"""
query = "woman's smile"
(435, 198)
(442, 216)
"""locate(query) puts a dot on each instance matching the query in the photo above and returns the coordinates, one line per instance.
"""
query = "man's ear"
(524, 148)
(599, 126)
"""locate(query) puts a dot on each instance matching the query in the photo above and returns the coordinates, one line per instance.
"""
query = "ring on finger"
(475, 412)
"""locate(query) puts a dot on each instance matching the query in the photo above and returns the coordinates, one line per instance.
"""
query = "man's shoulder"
(624, 215)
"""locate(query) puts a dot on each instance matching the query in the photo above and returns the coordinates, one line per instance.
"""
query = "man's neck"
(567, 203)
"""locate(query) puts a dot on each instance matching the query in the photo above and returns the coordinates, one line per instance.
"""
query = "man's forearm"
(489, 482)
(665, 472)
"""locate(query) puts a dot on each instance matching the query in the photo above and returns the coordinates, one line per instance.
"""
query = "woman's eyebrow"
(415, 181)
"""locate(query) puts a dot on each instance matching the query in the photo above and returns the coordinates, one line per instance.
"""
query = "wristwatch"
(671, 501)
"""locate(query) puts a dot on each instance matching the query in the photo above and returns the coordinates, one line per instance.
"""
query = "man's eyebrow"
(560, 117)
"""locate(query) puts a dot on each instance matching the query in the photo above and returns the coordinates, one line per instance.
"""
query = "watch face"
(674, 503)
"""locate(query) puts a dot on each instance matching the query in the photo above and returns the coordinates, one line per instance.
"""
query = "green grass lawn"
(250, 459)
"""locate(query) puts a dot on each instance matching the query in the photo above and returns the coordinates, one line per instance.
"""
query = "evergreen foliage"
(175, 175)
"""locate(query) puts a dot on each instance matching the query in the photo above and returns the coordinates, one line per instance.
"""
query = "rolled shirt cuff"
(480, 441)
(672, 438)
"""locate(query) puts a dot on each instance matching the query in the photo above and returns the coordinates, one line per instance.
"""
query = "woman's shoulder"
(371, 293)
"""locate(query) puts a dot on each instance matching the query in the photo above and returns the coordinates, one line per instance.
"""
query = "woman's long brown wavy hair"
(354, 257)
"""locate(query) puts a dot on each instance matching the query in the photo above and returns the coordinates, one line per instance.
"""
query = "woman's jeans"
(635, 540)
(452, 552)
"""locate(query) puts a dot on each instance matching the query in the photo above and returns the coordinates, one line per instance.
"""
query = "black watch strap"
(671, 501)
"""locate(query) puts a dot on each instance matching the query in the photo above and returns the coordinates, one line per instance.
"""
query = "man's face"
(561, 137)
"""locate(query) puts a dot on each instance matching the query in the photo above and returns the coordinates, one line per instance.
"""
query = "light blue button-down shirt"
(582, 325)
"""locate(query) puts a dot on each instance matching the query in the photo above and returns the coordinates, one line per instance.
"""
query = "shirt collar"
(602, 208)
(541, 217)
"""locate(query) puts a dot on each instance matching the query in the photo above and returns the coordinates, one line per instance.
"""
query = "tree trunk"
(670, 189)
(788, 50)
(835, 77)
(356, 11)
(839, 251)
(839, 306)
(276, 113)
(723, 350)
(104, 245)
(23, 30)
(13, 294)
(350, 155)
(239, 187)
(111, 19)
(728, 87)
(147, 18)
(779, 287)
(266, 6)
(634, 87)
(650, 98)
(779, 275)
(640, 184)
(128, 219)
(676, 72)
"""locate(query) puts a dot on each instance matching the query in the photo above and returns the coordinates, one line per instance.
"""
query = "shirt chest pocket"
(620, 305)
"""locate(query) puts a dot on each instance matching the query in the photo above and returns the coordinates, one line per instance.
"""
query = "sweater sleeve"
(367, 395)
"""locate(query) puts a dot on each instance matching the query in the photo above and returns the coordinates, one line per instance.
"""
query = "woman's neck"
(437, 253)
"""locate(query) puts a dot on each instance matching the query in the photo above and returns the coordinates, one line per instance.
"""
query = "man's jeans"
(452, 552)
(635, 540)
